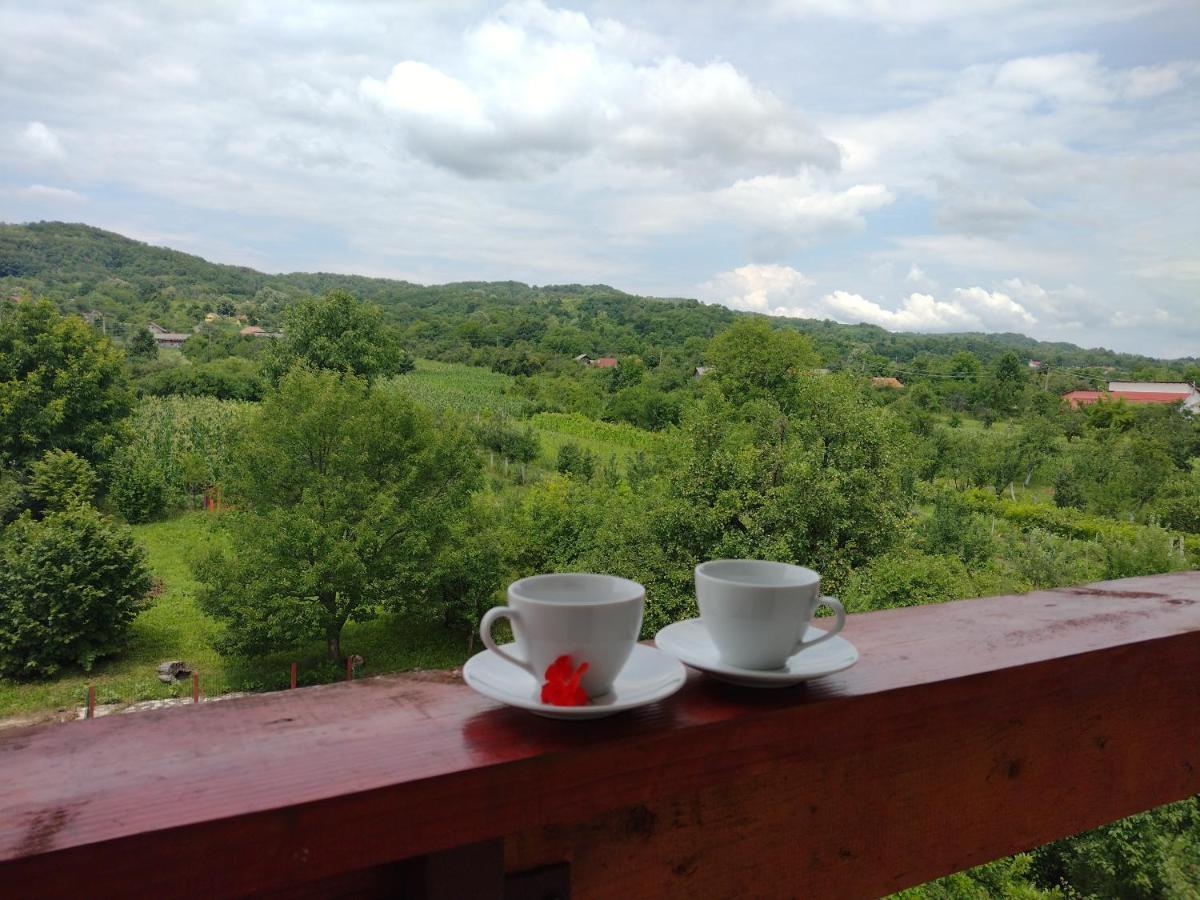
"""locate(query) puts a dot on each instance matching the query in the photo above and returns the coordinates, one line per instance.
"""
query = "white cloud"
(1062, 77)
(768, 289)
(792, 206)
(968, 309)
(916, 275)
(41, 142)
(53, 194)
(539, 88)
(784, 291)
(985, 14)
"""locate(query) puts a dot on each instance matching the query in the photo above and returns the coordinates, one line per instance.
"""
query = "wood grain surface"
(967, 731)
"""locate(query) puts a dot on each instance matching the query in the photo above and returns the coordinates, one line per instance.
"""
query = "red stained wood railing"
(968, 731)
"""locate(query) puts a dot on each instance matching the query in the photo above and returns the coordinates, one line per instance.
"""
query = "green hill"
(86, 269)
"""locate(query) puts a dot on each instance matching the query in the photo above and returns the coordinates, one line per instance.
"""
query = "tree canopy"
(341, 333)
(344, 497)
(62, 385)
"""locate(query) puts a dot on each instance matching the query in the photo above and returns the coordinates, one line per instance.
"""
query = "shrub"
(70, 584)
(61, 479)
(520, 444)
(906, 578)
(1147, 552)
(137, 486)
(574, 460)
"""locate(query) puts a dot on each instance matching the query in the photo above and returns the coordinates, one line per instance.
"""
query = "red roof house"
(1084, 398)
(605, 362)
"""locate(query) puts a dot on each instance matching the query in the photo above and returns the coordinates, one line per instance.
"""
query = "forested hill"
(86, 269)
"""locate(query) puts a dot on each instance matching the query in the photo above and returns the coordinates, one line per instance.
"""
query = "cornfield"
(465, 389)
(177, 447)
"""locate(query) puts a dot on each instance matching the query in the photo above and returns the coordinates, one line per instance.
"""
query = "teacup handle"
(840, 623)
(485, 632)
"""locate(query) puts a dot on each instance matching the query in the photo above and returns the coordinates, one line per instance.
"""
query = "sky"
(923, 165)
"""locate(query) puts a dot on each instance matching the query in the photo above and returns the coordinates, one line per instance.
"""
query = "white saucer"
(649, 676)
(689, 641)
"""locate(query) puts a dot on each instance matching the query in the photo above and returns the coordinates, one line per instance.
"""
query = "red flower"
(562, 683)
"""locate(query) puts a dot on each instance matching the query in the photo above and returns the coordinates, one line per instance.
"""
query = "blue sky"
(928, 165)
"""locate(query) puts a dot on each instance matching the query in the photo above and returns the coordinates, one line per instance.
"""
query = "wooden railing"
(968, 731)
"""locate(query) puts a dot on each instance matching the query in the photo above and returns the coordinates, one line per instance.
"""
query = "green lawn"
(173, 627)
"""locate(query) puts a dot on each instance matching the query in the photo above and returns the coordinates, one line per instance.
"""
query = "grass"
(174, 627)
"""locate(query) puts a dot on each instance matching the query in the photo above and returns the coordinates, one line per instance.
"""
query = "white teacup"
(757, 611)
(591, 618)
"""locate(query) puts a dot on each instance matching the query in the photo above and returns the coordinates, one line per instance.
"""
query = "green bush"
(232, 378)
(70, 584)
(508, 440)
(137, 486)
(61, 479)
(574, 460)
(1147, 552)
(906, 578)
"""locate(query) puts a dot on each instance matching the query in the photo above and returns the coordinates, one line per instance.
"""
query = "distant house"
(701, 371)
(164, 338)
(1141, 392)
(887, 382)
(584, 359)
(1034, 363)
(605, 362)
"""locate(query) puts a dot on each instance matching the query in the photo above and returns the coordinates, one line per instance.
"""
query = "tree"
(343, 495)
(62, 479)
(1001, 388)
(1149, 855)
(62, 385)
(752, 361)
(70, 584)
(142, 345)
(823, 487)
(341, 333)
(469, 570)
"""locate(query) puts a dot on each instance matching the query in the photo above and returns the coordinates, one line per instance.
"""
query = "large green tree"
(343, 496)
(753, 361)
(341, 333)
(62, 385)
(824, 486)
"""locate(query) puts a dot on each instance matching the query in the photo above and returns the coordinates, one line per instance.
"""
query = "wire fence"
(108, 696)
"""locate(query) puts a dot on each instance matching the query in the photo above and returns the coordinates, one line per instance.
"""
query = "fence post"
(349, 668)
(293, 676)
(91, 701)
(195, 687)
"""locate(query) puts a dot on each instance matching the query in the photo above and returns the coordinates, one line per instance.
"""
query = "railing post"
(195, 687)
(293, 684)
(349, 668)
(91, 701)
